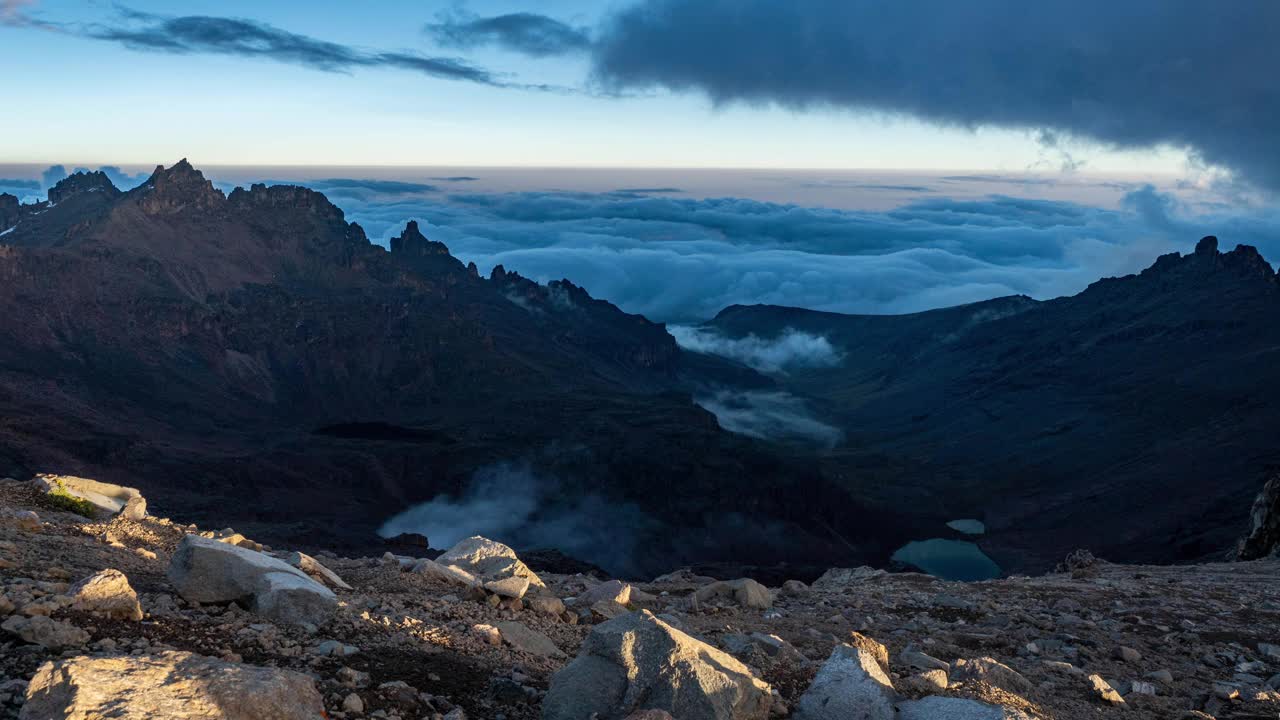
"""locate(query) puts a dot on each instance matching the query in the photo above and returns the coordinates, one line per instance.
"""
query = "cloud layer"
(512, 504)
(769, 415)
(791, 349)
(1140, 73)
(248, 38)
(682, 260)
(526, 33)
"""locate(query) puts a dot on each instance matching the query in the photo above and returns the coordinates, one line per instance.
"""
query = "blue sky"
(95, 102)
(954, 151)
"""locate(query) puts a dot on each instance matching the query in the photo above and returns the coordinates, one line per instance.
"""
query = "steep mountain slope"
(254, 357)
(1134, 418)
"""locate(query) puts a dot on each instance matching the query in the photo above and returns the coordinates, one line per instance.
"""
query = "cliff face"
(219, 350)
(1262, 538)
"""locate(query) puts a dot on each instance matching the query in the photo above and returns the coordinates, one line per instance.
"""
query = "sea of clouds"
(682, 259)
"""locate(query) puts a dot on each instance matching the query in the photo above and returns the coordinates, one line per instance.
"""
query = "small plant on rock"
(62, 498)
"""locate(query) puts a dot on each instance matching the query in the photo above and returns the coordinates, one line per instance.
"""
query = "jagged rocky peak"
(10, 210)
(413, 242)
(178, 188)
(1243, 262)
(82, 182)
(285, 197)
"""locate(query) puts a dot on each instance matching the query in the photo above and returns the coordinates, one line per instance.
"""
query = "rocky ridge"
(99, 610)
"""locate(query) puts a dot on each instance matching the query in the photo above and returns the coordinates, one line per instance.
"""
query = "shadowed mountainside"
(216, 351)
(1134, 418)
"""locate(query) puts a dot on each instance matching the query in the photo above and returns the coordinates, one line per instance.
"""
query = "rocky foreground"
(127, 615)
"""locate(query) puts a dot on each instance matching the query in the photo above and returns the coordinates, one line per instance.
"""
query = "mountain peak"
(82, 182)
(177, 188)
(1208, 245)
(413, 242)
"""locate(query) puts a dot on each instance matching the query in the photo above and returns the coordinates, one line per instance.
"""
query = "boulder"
(990, 671)
(913, 658)
(24, 520)
(744, 591)
(875, 647)
(927, 682)
(545, 604)
(743, 646)
(850, 686)
(108, 498)
(46, 632)
(511, 587)
(209, 571)
(950, 708)
(168, 685)
(637, 662)
(613, 590)
(488, 560)
(315, 570)
(520, 637)
(1104, 691)
(106, 593)
(447, 573)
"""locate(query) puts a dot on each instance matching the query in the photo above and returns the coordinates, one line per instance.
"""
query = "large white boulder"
(488, 560)
(168, 685)
(637, 662)
(208, 571)
(850, 686)
(108, 498)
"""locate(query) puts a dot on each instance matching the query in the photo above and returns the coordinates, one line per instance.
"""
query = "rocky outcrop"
(1262, 539)
(10, 211)
(108, 498)
(168, 685)
(208, 571)
(850, 686)
(637, 662)
(80, 183)
(412, 242)
(176, 189)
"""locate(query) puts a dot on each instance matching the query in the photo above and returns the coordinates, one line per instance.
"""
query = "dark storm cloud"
(21, 184)
(248, 38)
(456, 179)
(1134, 74)
(526, 33)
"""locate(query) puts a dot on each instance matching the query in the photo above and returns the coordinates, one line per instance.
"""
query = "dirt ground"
(1212, 628)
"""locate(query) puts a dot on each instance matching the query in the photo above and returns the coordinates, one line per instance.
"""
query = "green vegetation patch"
(62, 499)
